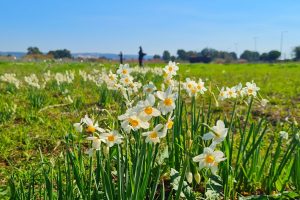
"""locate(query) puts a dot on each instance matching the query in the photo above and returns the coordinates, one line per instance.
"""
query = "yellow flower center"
(199, 87)
(250, 91)
(148, 110)
(168, 101)
(170, 124)
(153, 135)
(126, 80)
(149, 90)
(170, 68)
(133, 122)
(124, 71)
(194, 91)
(189, 85)
(111, 77)
(168, 81)
(209, 159)
(90, 129)
(111, 138)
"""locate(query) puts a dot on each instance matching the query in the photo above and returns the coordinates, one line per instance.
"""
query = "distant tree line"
(208, 55)
(57, 54)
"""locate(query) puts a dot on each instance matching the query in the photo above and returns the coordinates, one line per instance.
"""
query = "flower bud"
(189, 177)
(106, 150)
(197, 177)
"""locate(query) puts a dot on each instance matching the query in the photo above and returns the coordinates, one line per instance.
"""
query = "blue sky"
(110, 26)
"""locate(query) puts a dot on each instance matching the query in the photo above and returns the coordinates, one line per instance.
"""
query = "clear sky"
(108, 26)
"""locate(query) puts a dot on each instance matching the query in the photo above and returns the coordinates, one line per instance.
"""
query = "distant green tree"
(33, 51)
(273, 55)
(297, 52)
(182, 54)
(173, 58)
(166, 56)
(61, 53)
(156, 56)
(233, 55)
(250, 56)
(264, 57)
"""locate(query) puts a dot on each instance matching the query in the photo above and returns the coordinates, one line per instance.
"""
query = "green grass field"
(44, 117)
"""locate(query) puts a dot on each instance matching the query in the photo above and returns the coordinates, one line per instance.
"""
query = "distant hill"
(16, 54)
(84, 55)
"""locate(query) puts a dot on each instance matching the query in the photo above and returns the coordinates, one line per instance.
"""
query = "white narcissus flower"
(189, 84)
(124, 70)
(167, 103)
(264, 102)
(112, 76)
(154, 135)
(78, 127)
(218, 133)
(284, 135)
(231, 92)
(170, 121)
(132, 122)
(111, 138)
(209, 159)
(200, 86)
(239, 90)
(126, 80)
(223, 94)
(171, 68)
(149, 88)
(251, 89)
(147, 110)
(96, 142)
(91, 126)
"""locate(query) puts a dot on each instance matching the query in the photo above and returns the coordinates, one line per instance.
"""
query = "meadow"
(209, 139)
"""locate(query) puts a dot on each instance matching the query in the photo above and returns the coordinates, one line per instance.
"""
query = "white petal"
(208, 136)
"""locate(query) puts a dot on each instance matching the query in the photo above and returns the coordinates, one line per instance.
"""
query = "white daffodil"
(189, 84)
(78, 127)
(231, 92)
(239, 90)
(171, 68)
(147, 110)
(96, 142)
(167, 103)
(126, 80)
(218, 133)
(209, 159)
(124, 70)
(200, 86)
(170, 121)
(111, 138)
(284, 135)
(264, 102)
(132, 122)
(223, 94)
(149, 88)
(154, 135)
(251, 89)
(112, 76)
(91, 126)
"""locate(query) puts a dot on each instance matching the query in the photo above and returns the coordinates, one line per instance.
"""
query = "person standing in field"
(121, 57)
(141, 56)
